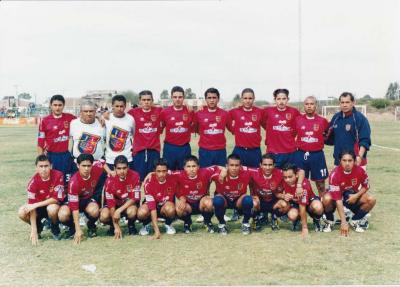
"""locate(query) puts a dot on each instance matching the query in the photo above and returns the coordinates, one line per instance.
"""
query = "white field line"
(385, 147)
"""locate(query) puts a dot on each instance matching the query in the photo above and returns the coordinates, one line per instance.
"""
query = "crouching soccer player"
(159, 191)
(231, 193)
(348, 186)
(81, 190)
(45, 193)
(300, 204)
(122, 194)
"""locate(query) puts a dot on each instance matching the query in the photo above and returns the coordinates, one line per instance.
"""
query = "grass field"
(199, 258)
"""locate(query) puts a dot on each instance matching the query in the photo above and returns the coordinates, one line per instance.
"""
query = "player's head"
(85, 162)
(289, 171)
(347, 160)
(212, 97)
(247, 98)
(281, 97)
(43, 166)
(178, 96)
(233, 164)
(161, 169)
(146, 99)
(88, 112)
(191, 165)
(57, 103)
(267, 164)
(346, 102)
(118, 105)
(310, 105)
(121, 166)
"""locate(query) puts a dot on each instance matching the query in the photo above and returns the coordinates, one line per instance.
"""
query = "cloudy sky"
(71, 47)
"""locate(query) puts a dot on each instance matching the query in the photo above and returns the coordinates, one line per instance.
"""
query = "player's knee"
(180, 212)
(143, 213)
(371, 200)
(105, 215)
(317, 207)
(64, 214)
(22, 214)
(131, 212)
(169, 210)
(247, 202)
(218, 202)
(256, 203)
(93, 210)
(293, 215)
(52, 210)
(207, 204)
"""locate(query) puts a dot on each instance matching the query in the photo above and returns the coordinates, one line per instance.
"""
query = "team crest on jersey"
(254, 118)
(199, 185)
(66, 124)
(118, 138)
(348, 127)
(240, 186)
(185, 117)
(169, 189)
(316, 127)
(353, 181)
(218, 119)
(153, 118)
(88, 143)
(288, 116)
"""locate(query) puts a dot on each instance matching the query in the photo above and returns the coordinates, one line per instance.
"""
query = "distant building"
(100, 97)
(194, 104)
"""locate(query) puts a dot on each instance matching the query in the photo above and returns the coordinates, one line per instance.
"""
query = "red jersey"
(118, 190)
(266, 188)
(40, 190)
(178, 125)
(54, 132)
(193, 189)
(157, 194)
(340, 181)
(281, 129)
(211, 128)
(233, 188)
(79, 188)
(147, 129)
(246, 126)
(310, 132)
(307, 195)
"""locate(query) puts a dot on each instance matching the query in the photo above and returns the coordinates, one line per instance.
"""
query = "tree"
(189, 94)
(380, 103)
(25, 96)
(393, 91)
(164, 95)
(131, 97)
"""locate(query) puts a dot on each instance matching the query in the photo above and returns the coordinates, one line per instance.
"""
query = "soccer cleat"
(348, 213)
(71, 233)
(327, 227)
(145, 230)
(295, 226)
(317, 224)
(222, 229)
(355, 224)
(200, 219)
(169, 229)
(132, 230)
(110, 232)
(246, 228)
(46, 223)
(186, 228)
(92, 232)
(274, 223)
(257, 223)
(55, 231)
(210, 227)
(235, 215)
(227, 218)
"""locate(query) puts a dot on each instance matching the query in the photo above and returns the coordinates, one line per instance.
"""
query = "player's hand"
(117, 233)
(352, 199)
(34, 238)
(358, 160)
(78, 236)
(299, 192)
(344, 229)
(181, 204)
(117, 215)
(112, 173)
(157, 235)
(287, 197)
(304, 232)
(29, 207)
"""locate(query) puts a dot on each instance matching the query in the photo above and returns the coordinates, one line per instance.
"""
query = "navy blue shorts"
(250, 157)
(195, 207)
(41, 212)
(62, 161)
(175, 155)
(353, 207)
(282, 158)
(143, 162)
(83, 203)
(313, 164)
(308, 209)
(267, 206)
(230, 204)
(212, 157)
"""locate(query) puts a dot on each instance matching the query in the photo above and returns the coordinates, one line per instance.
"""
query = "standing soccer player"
(45, 194)
(54, 136)
(310, 157)
(210, 123)
(349, 130)
(122, 194)
(348, 186)
(178, 123)
(119, 130)
(280, 127)
(159, 191)
(231, 193)
(146, 145)
(81, 197)
(245, 123)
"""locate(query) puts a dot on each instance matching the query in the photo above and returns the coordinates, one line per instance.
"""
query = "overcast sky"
(72, 47)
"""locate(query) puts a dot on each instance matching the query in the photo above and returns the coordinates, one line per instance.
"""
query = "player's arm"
(41, 139)
(299, 185)
(344, 226)
(115, 222)
(303, 219)
(34, 234)
(353, 198)
(154, 220)
(181, 204)
(34, 206)
(78, 231)
(122, 208)
(109, 171)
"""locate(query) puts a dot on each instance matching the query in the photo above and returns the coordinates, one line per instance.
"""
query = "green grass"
(199, 258)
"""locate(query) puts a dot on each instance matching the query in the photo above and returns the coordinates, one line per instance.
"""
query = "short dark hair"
(281, 91)
(121, 159)
(234, 156)
(348, 152)
(85, 156)
(347, 94)
(247, 90)
(57, 98)
(289, 166)
(177, 89)
(160, 162)
(211, 91)
(42, 157)
(146, 93)
(191, 158)
(119, 98)
(268, 156)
